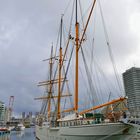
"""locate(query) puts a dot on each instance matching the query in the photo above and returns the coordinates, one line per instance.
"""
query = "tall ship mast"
(98, 122)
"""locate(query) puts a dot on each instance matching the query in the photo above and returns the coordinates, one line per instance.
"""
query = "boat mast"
(50, 88)
(60, 66)
(76, 61)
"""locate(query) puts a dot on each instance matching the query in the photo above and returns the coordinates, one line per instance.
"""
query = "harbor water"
(27, 134)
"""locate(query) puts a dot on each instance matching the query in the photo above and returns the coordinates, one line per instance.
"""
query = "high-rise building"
(2, 111)
(7, 114)
(30, 114)
(131, 79)
(23, 115)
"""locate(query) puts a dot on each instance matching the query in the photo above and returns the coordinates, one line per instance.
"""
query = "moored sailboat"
(79, 124)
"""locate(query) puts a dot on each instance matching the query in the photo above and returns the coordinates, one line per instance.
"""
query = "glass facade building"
(131, 79)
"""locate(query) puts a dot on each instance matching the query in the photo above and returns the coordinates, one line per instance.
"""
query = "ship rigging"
(71, 122)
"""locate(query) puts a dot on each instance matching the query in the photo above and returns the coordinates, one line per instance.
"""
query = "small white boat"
(10, 128)
(20, 127)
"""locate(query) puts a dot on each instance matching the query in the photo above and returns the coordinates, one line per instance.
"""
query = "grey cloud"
(27, 29)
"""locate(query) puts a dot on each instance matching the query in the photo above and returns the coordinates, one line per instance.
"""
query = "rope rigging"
(67, 88)
(110, 50)
(93, 88)
(90, 82)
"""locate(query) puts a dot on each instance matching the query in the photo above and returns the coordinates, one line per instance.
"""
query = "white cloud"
(135, 23)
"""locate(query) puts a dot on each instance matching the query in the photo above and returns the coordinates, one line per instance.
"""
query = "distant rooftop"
(1, 102)
(132, 68)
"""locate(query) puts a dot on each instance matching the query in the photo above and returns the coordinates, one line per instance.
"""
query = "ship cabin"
(85, 119)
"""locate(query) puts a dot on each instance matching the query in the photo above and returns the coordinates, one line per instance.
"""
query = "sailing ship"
(53, 123)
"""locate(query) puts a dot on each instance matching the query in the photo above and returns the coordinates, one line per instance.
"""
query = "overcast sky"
(27, 29)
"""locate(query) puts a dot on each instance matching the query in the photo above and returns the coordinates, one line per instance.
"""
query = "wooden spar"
(59, 85)
(50, 88)
(87, 23)
(68, 110)
(47, 97)
(78, 45)
(60, 68)
(76, 63)
(51, 82)
(102, 105)
(55, 57)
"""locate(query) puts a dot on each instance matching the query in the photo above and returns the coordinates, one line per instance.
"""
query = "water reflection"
(5, 137)
(27, 134)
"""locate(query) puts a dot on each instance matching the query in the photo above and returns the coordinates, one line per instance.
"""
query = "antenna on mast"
(76, 12)
(61, 26)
